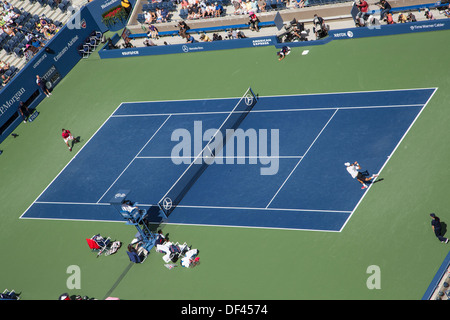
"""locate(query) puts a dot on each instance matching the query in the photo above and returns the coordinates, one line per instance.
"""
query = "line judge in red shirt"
(67, 136)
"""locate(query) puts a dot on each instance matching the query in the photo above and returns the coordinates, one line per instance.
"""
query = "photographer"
(128, 43)
(183, 28)
(320, 30)
(363, 7)
(111, 45)
(254, 21)
(293, 31)
(385, 8)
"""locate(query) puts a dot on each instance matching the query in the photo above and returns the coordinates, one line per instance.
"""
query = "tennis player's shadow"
(443, 228)
(367, 174)
(76, 140)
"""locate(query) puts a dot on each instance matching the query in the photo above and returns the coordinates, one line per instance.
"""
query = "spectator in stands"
(210, 9)
(218, 10)
(235, 34)
(4, 66)
(298, 30)
(216, 37)
(127, 43)
(164, 14)
(193, 12)
(254, 22)
(262, 5)
(159, 17)
(203, 9)
(299, 3)
(36, 44)
(248, 6)
(389, 18)
(183, 28)
(184, 4)
(189, 38)
(401, 18)
(47, 32)
(385, 7)
(8, 30)
(4, 80)
(42, 86)
(447, 12)
(153, 32)
(204, 38)
(111, 45)
(429, 15)
(319, 27)
(363, 7)
(254, 6)
(411, 17)
(6, 5)
(53, 28)
(239, 7)
(283, 52)
(149, 42)
(149, 16)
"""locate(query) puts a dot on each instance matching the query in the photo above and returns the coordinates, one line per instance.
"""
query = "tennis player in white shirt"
(353, 170)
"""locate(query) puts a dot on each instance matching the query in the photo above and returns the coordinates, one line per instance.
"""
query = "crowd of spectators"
(158, 16)
(22, 33)
(293, 31)
(364, 18)
(200, 9)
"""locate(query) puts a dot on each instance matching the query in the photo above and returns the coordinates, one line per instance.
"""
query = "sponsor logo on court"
(167, 203)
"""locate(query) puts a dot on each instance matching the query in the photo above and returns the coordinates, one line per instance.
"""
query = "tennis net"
(214, 146)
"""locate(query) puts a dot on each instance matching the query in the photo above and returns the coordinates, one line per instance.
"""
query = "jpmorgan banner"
(51, 63)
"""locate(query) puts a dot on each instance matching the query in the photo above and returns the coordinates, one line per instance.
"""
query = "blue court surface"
(309, 190)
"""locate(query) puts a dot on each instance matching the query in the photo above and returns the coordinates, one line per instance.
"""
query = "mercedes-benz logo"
(167, 203)
(248, 99)
(185, 48)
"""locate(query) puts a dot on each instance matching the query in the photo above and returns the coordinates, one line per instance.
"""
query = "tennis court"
(55, 192)
(307, 186)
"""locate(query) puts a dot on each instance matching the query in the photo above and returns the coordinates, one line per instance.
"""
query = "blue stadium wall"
(51, 63)
(351, 33)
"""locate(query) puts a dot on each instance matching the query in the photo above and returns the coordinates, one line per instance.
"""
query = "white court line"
(301, 159)
(293, 95)
(197, 207)
(219, 157)
(264, 111)
(154, 134)
(283, 95)
(389, 157)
